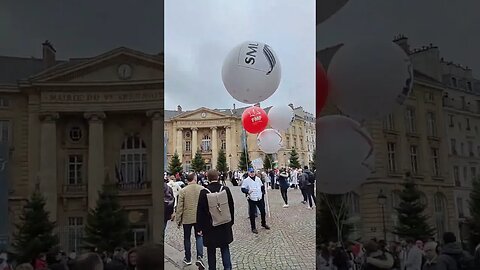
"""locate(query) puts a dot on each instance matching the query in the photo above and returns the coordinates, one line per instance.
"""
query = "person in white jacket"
(411, 256)
(172, 183)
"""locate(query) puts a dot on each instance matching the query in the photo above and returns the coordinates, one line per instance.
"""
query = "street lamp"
(382, 200)
(230, 161)
(285, 158)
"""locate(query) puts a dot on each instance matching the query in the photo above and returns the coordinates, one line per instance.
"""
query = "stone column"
(96, 163)
(228, 141)
(194, 141)
(214, 147)
(48, 162)
(179, 147)
(157, 174)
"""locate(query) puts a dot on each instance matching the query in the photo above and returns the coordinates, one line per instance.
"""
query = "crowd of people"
(146, 257)
(409, 254)
(187, 204)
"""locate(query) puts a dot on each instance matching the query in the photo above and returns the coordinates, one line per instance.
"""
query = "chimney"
(402, 41)
(234, 106)
(179, 108)
(48, 54)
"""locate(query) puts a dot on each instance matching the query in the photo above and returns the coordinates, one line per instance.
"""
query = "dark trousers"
(212, 258)
(284, 194)
(252, 206)
(187, 232)
(311, 195)
(305, 194)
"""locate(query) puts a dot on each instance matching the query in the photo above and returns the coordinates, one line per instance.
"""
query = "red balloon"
(322, 88)
(254, 119)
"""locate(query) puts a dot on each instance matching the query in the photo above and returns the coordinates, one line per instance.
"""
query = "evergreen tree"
(107, 225)
(267, 162)
(244, 161)
(474, 221)
(35, 231)
(411, 217)
(198, 163)
(175, 165)
(294, 163)
(326, 225)
(222, 162)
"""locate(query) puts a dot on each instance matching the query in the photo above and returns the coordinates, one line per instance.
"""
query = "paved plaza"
(290, 244)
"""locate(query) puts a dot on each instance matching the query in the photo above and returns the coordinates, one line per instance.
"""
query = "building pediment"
(200, 114)
(122, 65)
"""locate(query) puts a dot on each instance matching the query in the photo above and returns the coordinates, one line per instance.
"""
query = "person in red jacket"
(41, 262)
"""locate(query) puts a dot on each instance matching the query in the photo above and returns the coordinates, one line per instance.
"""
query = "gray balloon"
(326, 8)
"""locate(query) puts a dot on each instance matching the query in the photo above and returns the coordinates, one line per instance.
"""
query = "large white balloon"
(280, 117)
(369, 79)
(269, 141)
(344, 154)
(251, 72)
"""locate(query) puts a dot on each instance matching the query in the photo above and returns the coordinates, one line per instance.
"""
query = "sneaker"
(200, 264)
(304, 202)
(255, 231)
(309, 208)
(185, 261)
(266, 227)
(285, 206)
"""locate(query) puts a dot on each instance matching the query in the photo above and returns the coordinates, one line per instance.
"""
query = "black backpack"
(311, 177)
(463, 261)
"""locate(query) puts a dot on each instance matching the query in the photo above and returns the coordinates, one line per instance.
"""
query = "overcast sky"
(453, 26)
(80, 28)
(199, 34)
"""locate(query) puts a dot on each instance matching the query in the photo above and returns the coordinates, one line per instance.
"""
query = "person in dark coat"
(169, 204)
(284, 185)
(219, 236)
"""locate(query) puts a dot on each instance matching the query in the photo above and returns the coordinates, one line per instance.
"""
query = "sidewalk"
(174, 259)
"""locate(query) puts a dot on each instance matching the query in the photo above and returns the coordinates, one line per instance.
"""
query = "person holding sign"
(255, 190)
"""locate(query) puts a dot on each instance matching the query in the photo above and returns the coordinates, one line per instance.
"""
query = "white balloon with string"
(344, 154)
(269, 141)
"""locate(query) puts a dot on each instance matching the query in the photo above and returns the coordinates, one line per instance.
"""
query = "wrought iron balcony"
(132, 186)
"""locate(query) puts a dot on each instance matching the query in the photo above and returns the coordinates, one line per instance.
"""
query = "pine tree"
(175, 165)
(326, 226)
(474, 221)
(294, 163)
(198, 163)
(244, 161)
(35, 231)
(107, 225)
(267, 162)
(411, 217)
(222, 166)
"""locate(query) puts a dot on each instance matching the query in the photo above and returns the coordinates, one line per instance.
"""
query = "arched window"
(206, 143)
(440, 208)
(133, 160)
(354, 204)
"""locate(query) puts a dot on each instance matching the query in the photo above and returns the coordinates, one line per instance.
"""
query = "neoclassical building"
(212, 130)
(72, 125)
(412, 139)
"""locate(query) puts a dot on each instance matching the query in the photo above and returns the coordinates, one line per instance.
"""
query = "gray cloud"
(199, 34)
(450, 25)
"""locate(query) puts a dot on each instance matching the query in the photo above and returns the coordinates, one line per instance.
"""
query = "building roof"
(18, 68)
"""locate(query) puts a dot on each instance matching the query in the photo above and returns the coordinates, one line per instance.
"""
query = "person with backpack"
(302, 184)
(253, 187)
(453, 257)
(376, 258)
(310, 187)
(186, 215)
(215, 218)
(284, 185)
(169, 204)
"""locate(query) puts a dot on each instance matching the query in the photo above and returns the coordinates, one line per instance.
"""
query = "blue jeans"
(212, 258)
(187, 232)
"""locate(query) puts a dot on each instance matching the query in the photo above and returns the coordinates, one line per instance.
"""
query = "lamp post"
(230, 162)
(285, 157)
(382, 200)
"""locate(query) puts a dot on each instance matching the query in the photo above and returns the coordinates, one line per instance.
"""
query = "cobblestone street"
(290, 244)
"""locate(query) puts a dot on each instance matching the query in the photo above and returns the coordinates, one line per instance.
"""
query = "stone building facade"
(212, 130)
(72, 125)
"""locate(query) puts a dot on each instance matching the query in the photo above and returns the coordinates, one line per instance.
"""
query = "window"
(410, 115)
(454, 82)
(456, 176)
(223, 145)
(435, 162)
(414, 159)
(468, 123)
(465, 174)
(470, 149)
(75, 233)
(4, 102)
(453, 146)
(392, 163)
(295, 143)
(462, 149)
(478, 150)
(4, 131)
(460, 207)
(188, 146)
(464, 105)
(450, 116)
(355, 205)
(460, 126)
(133, 160)
(440, 214)
(431, 124)
(429, 96)
(469, 86)
(74, 172)
(473, 172)
(206, 143)
(389, 123)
